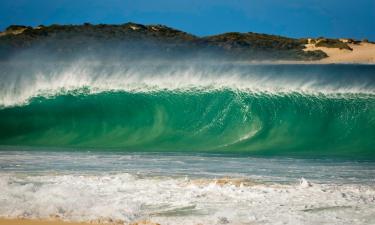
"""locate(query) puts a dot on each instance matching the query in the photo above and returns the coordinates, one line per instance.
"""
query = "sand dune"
(363, 53)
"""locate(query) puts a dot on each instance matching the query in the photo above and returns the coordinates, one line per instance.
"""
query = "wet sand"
(37, 222)
(60, 222)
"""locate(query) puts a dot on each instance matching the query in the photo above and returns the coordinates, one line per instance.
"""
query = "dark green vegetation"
(333, 43)
(139, 41)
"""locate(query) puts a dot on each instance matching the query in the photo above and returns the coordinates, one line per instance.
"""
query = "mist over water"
(23, 81)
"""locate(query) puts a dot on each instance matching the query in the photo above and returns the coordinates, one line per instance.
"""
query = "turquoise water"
(222, 121)
(194, 166)
(187, 144)
(265, 110)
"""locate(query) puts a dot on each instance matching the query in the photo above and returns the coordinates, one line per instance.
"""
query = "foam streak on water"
(185, 189)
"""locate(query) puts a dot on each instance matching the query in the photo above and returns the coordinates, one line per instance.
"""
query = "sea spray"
(291, 110)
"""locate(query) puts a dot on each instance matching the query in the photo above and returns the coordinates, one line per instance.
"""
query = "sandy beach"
(36, 222)
(363, 53)
(4, 221)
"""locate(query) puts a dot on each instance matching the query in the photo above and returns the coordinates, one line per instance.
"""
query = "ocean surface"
(188, 143)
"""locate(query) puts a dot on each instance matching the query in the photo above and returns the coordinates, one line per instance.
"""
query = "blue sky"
(296, 18)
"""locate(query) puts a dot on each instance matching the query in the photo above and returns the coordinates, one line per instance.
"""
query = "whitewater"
(217, 108)
(185, 189)
(23, 81)
(187, 143)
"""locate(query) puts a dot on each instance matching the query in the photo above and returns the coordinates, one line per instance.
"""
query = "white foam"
(170, 200)
(304, 183)
(18, 89)
(184, 189)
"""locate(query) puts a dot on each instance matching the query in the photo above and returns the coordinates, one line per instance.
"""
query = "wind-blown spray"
(299, 110)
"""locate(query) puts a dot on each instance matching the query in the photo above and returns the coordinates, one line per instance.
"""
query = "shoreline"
(22, 221)
(16, 221)
(287, 49)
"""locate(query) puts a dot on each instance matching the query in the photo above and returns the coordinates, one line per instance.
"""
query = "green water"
(215, 121)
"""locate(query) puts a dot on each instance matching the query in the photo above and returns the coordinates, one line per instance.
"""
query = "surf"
(221, 121)
(304, 111)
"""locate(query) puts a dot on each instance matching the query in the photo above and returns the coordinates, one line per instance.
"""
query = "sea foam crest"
(20, 87)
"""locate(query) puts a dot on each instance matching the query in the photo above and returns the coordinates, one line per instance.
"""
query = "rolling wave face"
(214, 121)
(279, 111)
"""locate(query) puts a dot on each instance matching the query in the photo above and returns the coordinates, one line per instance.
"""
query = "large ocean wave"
(263, 110)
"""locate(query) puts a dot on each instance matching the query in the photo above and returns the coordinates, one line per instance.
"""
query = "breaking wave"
(266, 110)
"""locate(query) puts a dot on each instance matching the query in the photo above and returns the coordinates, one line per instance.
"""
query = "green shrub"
(333, 43)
